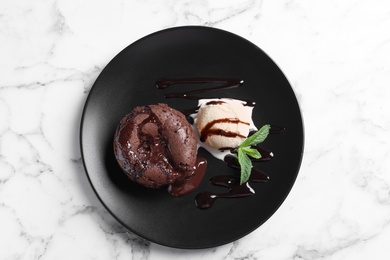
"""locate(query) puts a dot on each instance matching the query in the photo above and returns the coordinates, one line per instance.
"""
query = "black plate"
(129, 80)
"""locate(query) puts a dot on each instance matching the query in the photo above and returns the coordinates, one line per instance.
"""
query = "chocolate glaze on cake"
(155, 146)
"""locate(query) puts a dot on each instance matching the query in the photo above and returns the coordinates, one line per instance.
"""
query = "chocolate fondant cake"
(155, 145)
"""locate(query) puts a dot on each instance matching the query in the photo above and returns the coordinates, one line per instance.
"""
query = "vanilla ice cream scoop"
(223, 123)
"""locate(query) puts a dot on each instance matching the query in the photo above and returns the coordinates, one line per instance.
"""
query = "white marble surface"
(336, 55)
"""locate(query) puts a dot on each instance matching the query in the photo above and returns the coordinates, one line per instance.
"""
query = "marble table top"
(336, 55)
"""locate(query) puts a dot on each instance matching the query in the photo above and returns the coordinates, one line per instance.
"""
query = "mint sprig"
(244, 151)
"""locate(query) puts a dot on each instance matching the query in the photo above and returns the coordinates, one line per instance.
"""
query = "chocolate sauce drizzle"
(226, 84)
(205, 200)
(221, 84)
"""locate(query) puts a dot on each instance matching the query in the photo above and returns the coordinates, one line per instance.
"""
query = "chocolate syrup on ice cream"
(208, 129)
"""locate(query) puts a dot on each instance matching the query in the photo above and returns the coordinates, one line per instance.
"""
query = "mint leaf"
(244, 150)
(245, 165)
(257, 137)
(254, 153)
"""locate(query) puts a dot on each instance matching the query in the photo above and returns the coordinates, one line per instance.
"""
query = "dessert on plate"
(155, 146)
